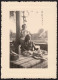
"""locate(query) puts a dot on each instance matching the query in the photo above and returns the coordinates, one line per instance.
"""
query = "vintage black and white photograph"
(28, 43)
(28, 39)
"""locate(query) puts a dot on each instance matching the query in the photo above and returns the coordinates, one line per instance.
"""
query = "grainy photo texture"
(28, 39)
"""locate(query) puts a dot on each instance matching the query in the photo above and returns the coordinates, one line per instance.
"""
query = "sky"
(34, 22)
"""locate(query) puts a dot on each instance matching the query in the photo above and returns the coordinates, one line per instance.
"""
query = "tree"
(10, 34)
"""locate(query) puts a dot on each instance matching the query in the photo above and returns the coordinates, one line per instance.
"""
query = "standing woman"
(23, 33)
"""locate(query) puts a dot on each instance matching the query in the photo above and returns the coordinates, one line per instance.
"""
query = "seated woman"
(28, 47)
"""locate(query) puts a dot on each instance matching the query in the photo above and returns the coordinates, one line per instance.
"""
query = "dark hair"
(27, 38)
(23, 26)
